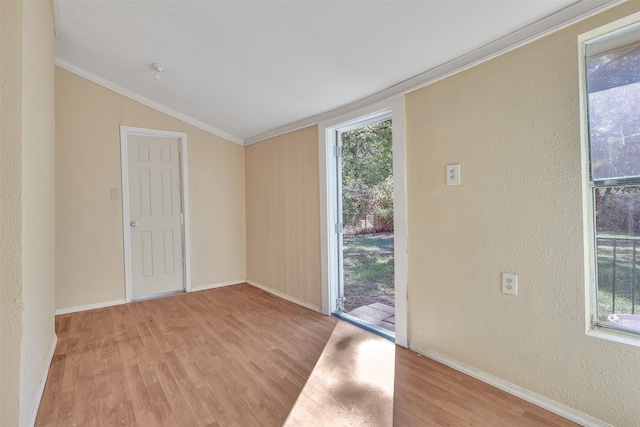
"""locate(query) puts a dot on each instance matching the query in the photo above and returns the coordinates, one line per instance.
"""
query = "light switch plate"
(453, 174)
(510, 283)
(114, 193)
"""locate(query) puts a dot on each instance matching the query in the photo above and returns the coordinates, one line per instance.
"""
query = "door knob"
(134, 224)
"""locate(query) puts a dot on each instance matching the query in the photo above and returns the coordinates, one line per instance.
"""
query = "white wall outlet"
(453, 174)
(509, 283)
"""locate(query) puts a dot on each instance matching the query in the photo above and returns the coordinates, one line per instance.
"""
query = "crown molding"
(146, 101)
(571, 14)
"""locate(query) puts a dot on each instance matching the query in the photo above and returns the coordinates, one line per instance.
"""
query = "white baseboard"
(289, 298)
(89, 306)
(122, 301)
(522, 393)
(218, 285)
(43, 382)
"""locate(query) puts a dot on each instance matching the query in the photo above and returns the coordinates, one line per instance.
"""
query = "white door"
(155, 214)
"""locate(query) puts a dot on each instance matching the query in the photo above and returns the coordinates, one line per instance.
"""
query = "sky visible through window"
(613, 85)
(614, 113)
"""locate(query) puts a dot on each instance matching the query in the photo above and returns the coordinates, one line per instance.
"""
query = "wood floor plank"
(139, 394)
(190, 392)
(235, 357)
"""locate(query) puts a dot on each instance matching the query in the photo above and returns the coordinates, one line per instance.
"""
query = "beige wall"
(27, 208)
(89, 243)
(10, 209)
(38, 199)
(283, 215)
(513, 125)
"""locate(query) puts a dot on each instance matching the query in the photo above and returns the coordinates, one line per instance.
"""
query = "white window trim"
(393, 108)
(591, 309)
(125, 132)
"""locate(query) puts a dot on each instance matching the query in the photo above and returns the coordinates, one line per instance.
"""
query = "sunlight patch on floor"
(352, 383)
(374, 356)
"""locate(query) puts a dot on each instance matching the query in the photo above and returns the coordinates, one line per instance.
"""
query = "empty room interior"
(172, 195)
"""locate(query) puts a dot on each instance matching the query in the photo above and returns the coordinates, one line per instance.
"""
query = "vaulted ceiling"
(250, 69)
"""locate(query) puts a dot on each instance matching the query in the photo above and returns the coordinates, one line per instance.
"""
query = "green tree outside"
(367, 178)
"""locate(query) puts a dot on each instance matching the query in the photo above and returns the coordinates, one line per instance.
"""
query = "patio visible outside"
(368, 282)
(618, 275)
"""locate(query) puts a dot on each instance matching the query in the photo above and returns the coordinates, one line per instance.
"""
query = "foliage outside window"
(367, 178)
(613, 104)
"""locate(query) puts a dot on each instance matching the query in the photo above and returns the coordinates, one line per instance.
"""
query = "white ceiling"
(249, 69)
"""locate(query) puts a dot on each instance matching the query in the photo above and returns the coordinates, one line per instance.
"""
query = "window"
(612, 95)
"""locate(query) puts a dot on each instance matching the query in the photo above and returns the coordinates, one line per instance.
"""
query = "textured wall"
(89, 243)
(27, 208)
(10, 210)
(38, 199)
(283, 215)
(513, 125)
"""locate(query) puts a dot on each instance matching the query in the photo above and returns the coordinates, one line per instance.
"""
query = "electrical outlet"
(453, 174)
(509, 283)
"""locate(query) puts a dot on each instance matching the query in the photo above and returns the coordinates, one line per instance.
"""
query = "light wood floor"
(234, 356)
(428, 390)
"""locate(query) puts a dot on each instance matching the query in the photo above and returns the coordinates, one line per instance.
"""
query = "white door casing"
(330, 261)
(154, 214)
(339, 219)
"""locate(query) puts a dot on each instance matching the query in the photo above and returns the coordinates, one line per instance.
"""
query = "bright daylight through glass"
(613, 83)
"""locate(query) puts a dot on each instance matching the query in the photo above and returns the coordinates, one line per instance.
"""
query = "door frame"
(327, 131)
(125, 132)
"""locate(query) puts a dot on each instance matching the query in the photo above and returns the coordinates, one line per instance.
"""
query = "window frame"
(592, 325)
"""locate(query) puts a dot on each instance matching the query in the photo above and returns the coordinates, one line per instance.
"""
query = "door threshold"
(154, 296)
(378, 330)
